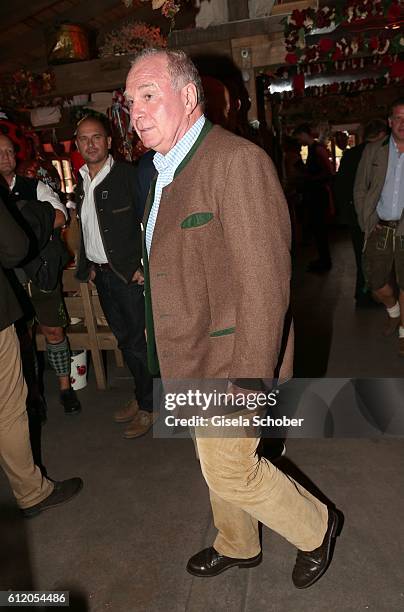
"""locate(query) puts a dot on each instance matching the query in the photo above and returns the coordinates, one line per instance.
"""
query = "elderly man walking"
(217, 274)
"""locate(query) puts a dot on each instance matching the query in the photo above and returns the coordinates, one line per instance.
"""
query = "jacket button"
(101, 210)
(106, 230)
(111, 251)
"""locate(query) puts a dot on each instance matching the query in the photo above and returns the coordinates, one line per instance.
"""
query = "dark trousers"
(317, 203)
(357, 237)
(124, 309)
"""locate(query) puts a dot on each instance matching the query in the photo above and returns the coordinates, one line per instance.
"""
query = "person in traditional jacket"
(217, 278)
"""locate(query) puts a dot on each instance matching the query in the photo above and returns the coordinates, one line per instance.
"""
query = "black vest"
(24, 188)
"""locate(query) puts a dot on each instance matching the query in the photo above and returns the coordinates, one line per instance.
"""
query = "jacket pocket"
(382, 237)
(196, 220)
(222, 332)
(119, 210)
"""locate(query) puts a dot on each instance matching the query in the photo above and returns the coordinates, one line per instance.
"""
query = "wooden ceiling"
(25, 25)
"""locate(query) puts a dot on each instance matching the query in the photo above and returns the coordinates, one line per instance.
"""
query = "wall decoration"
(348, 65)
(353, 16)
(343, 87)
(132, 38)
(168, 8)
(20, 88)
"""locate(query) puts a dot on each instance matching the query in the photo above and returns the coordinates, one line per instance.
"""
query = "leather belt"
(103, 266)
(388, 223)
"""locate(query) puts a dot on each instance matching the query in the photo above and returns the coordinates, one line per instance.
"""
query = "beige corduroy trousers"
(26, 480)
(245, 489)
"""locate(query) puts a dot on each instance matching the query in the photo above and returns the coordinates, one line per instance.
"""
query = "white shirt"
(44, 193)
(391, 202)
(93, 244)
(166, 165)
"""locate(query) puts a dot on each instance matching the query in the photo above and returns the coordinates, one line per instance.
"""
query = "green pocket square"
(197, 219)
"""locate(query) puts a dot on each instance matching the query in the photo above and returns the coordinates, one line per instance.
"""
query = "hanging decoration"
(168, 8)
(350, 65)
(350, 13)
(132, 38)
(351, 87)
(346, 47)
(120, 120)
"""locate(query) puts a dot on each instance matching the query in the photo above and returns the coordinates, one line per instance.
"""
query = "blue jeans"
(124, 309)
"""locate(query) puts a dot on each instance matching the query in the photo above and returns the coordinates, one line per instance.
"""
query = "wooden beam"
(21, 10)
(102, 74)
(226, 31)
(286, 8)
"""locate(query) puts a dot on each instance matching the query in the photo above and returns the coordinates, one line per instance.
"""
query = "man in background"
(316, 195)
(344, 182)
(34, 493)
(379, 203)
(110, 255)
(47, 307)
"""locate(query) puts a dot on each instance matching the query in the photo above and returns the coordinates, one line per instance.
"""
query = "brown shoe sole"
(126, 419)
(131, 436)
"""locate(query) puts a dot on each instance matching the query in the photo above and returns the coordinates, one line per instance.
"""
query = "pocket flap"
(119, 210)
(196, 220)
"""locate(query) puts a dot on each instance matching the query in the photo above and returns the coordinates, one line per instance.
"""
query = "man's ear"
(389, 121)
(109, 141)
(189, 97)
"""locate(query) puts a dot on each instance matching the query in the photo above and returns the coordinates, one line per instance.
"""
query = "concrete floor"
(123, 544)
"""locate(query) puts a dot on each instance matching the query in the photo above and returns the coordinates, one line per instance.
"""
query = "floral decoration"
(350, 65)
(344, 87)
(23, 86)
(346, 47)
(132, 38)
(169, 8)
(302, 23)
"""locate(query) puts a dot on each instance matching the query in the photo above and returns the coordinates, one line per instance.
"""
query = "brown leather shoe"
(140, 425)
(311, 565)
(127, 412)
(391, 325)
(208, 563)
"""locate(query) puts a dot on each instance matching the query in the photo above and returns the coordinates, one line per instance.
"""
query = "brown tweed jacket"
(219, 266)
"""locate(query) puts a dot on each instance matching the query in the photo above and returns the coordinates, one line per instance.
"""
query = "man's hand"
(138, 277)
(60, 219)
(92, 277)
(235, 390)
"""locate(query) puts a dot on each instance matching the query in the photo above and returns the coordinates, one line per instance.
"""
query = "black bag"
(47, 255)
(46, 268)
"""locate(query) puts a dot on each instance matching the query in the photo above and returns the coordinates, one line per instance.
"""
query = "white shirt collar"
(85, 173)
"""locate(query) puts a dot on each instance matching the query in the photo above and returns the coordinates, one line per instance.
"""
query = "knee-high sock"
(59, 357)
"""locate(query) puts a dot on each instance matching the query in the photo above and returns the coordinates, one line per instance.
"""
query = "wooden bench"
(91, 333)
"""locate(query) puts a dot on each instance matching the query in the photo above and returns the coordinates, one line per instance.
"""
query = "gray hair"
(181, 69)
